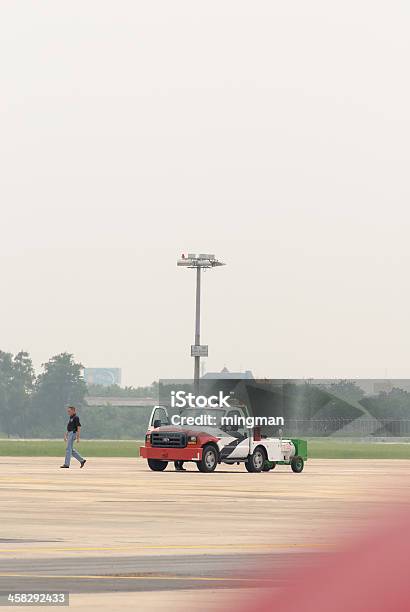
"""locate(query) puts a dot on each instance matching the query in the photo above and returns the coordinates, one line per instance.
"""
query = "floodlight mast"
(198, 262)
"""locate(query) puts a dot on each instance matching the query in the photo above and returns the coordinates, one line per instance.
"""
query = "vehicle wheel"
(256, 461)
(268, 465)
(297, 464)
(157, 465)
(209, 459)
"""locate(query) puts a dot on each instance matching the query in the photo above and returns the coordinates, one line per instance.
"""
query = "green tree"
(6, 377)
(21, 390)
(61, 384)
(16, 385)
(393, 405)
(348, 389)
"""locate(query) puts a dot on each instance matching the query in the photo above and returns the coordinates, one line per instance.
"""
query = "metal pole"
(197, 327)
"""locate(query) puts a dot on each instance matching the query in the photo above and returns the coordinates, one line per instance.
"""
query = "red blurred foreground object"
(372, 575)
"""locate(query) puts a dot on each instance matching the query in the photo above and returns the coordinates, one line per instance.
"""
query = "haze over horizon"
(273, 135)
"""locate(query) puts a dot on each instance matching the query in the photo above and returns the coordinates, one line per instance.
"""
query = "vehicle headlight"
(148, 437)
(192, 440)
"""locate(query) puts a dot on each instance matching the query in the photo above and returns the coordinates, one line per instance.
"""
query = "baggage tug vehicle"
(203, 437)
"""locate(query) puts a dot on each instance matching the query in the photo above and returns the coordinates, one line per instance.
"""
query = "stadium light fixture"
(203, 261)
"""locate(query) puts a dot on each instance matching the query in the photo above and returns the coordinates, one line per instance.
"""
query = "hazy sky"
(275, 134)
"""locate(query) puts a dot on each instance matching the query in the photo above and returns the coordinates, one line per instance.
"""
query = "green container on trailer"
(301, 448)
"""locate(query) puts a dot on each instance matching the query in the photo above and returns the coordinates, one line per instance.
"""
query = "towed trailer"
(210, 445)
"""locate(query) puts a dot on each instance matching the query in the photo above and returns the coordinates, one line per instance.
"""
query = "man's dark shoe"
(179, 466)
(83, 463)
(64, 466)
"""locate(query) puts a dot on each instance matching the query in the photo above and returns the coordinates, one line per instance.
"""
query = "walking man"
(72, 433)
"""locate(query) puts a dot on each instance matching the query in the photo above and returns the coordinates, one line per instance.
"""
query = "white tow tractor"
(201, 435)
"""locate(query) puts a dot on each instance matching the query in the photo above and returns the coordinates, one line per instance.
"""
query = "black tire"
(256, 461)
(297, 464)
(209, 459)
(268, 465)
(156, 465)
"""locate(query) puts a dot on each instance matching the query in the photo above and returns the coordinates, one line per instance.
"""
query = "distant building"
(225, 373)
(102, 376)
(137, 402)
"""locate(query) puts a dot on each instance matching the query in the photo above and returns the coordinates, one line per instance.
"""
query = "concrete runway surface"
(117, 535)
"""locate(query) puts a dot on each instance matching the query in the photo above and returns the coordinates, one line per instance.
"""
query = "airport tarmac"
(117, 535)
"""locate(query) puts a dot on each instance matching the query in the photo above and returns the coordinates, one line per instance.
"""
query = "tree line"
(150, 391)
(34, 406)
